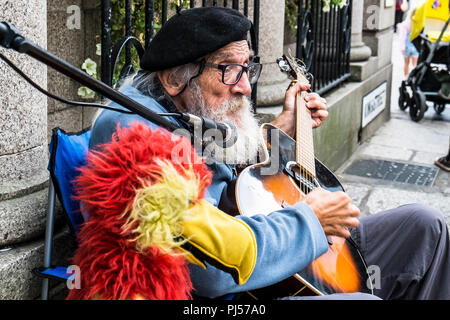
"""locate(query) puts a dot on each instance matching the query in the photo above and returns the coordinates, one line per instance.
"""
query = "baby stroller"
(431, 77)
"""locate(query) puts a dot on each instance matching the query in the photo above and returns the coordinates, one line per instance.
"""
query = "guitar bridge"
(293, 171)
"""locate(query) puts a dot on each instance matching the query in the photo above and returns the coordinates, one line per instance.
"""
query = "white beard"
(249, 141)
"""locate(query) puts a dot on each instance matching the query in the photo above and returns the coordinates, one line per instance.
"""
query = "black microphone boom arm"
(10, 38)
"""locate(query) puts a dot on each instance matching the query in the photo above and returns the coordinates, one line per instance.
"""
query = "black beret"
(192, 34)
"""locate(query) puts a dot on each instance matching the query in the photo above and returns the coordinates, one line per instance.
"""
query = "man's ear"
(170, 83)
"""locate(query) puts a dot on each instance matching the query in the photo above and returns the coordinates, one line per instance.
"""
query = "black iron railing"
(323, 42)
(110, 52)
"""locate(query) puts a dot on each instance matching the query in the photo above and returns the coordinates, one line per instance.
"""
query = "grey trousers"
(410, 247)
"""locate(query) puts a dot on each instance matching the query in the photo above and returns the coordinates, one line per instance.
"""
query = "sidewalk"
(413, 147)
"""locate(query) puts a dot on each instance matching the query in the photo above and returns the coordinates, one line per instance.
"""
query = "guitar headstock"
(294, 68)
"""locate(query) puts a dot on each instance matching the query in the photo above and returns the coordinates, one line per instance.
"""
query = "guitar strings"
(300, 68)
(306, 175)
(302, 174)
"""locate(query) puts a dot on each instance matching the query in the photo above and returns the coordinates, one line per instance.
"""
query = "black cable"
(75, 103)
(170, 114)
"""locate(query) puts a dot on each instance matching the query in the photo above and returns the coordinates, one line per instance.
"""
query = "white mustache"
(238, 110)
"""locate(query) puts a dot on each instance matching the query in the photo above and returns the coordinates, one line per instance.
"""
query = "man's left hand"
(318, 106)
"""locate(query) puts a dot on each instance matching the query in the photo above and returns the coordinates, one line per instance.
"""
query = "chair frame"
(51, 218)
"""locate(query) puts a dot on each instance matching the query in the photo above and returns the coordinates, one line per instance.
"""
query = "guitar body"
(273, 184)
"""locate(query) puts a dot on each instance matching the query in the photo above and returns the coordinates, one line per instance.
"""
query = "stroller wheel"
(403, 99)
(418, 106)
(439, 107)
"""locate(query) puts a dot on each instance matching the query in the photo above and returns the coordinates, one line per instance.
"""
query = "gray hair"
(148, 82)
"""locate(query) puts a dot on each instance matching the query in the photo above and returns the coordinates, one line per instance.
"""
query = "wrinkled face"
(213, 90)
(210, 97)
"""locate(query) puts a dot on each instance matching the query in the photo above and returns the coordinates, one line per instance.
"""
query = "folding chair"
(67, 153)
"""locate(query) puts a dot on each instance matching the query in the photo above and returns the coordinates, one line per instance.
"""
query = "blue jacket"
(287, 240)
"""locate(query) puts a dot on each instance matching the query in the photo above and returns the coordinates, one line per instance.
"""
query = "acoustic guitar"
(288, 173)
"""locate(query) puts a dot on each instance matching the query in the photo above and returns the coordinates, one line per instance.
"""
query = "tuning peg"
(284, 67)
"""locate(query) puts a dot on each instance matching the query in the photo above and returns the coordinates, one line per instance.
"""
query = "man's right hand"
(335, 211)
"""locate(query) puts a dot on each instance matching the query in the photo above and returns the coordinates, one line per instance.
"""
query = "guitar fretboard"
(304, 137)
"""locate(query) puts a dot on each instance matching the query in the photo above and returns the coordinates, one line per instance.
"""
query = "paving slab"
(381, 199)
(379, 150)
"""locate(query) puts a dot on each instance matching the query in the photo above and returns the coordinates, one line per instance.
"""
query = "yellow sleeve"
(221, 240)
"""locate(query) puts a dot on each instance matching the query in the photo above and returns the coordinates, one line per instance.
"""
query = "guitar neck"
(304, 137)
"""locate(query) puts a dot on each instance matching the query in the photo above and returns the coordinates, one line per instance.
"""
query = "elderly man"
(200, 62)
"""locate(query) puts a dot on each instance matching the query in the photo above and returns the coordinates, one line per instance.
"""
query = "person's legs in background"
(414, 61)
(411, 56)
(406, 65)
(398, 18)
(444, 162)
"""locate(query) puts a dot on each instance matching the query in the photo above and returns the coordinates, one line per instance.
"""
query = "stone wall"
(74, 45)
(23, 143)
(23, 120)
(341, 134)
(24, 158)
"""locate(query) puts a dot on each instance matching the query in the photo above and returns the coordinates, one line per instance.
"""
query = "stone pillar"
(23, 130)
(23, 161)
(362, 65)
(378, 31)
(359, 51)
(91, 27)
(272, 83)
(67, 29)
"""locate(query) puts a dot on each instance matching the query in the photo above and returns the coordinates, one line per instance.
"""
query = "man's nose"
(243, 86)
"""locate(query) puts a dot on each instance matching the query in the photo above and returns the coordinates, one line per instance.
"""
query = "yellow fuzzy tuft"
(160, 209)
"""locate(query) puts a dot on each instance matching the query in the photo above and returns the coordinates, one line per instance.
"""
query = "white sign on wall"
(389, 3)
(374, 103)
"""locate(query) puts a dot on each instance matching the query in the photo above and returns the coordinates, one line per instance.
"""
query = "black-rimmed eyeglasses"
(232, 73)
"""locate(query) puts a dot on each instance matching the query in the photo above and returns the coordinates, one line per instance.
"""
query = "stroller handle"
(435, 45)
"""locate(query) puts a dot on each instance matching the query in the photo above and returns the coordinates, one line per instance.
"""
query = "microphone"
(9, 35)
(211, 130)
(3, 33)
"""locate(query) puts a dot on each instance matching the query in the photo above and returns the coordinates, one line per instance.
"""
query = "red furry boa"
(111, 267)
